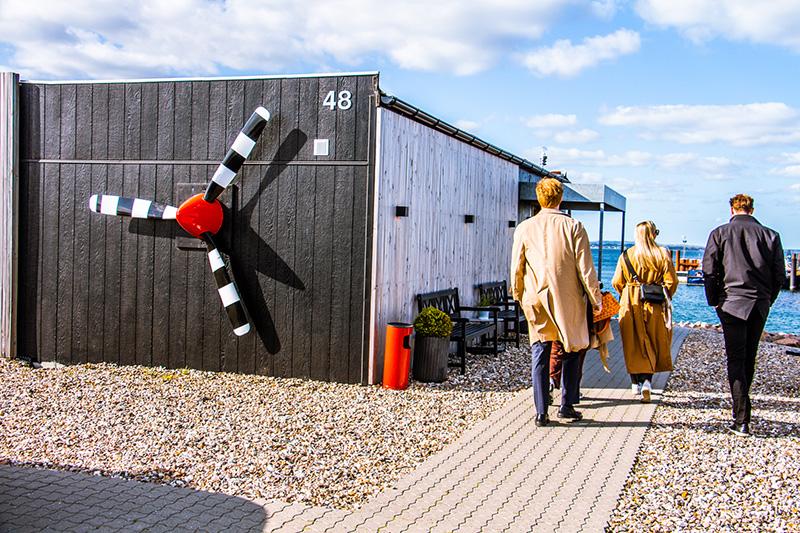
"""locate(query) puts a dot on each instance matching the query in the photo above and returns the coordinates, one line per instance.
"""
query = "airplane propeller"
(201, 215)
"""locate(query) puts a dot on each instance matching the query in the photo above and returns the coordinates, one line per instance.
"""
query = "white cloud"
(795, 187)
(642, 189)
(598, 158)
(631, 158)
(560, 155)
(605, 9)
(774, 22)
(551, 120)
(712, 167)
(554, 127)
(467, 125)
(577, 176)
(90, 38)
(565, 59)
(790, 165)
(791, 170)
(791, 157)
(739, 125)
(575, 137)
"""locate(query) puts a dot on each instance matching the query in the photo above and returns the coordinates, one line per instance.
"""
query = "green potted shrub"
(485, 301)
(431, 345)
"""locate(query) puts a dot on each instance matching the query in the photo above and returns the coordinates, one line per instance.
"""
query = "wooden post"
(677, 259)
(793, 274)
(9, 201)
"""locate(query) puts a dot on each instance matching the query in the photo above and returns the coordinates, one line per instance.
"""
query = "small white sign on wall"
(320, 146)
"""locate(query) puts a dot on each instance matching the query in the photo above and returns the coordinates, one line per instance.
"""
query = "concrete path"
(504, 474)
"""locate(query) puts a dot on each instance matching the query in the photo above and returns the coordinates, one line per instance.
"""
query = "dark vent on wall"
(469, 219)
(401, 211)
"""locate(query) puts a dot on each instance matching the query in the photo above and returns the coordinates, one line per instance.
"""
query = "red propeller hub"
(197, 216)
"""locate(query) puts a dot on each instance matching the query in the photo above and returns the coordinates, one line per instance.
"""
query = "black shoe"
(569, 412)
(541, 420)
(743, 430)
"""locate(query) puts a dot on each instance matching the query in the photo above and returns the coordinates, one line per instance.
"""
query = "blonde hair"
(549, 192)
(742, 202)
(649, 255)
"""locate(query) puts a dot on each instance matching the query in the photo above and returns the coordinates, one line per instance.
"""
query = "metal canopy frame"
(584, 197)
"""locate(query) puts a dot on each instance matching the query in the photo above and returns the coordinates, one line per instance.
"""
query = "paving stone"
(330, 522)
(25, 529)
(247, 524)
(400, 525)
(503, 473)
(305, 519)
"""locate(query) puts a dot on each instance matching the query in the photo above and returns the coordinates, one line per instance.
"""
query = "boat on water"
(688, 270)
(690, 277)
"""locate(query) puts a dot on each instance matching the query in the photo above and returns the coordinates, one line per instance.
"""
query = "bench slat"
(497, 291)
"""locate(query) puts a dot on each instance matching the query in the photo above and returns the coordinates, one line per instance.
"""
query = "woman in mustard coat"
(646, 327)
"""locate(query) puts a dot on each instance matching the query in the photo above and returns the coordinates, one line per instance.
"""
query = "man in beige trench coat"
(552, 275)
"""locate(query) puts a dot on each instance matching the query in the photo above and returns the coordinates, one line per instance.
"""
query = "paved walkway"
(504, 474)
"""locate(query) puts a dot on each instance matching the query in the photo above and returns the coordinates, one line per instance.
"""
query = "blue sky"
(677, 104)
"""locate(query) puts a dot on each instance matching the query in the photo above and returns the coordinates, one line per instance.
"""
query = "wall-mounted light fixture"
(469, 219)
(321, 147)
(512, 223)
(401, 210)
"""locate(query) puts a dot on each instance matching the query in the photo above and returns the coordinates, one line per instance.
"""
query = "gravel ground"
(252, 436)
(692, 475)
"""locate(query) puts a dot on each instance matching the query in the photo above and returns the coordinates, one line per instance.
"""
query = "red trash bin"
(397, 355)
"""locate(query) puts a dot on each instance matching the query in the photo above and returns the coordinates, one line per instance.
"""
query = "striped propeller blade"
(108, 204)
(226, 287)
(237, 154)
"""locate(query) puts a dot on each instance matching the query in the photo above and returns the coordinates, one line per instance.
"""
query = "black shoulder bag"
(648, 292)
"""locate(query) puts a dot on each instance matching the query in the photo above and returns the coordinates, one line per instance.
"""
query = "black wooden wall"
(99, 288)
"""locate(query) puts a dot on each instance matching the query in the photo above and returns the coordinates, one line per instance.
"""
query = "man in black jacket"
(744, 273)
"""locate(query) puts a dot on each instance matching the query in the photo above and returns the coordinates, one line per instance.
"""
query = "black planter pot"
(430, 358)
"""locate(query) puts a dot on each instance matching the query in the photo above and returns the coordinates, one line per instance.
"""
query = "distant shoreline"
(610, 245)
(628, 244)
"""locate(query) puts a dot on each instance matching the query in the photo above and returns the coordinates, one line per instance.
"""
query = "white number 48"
(343, 102)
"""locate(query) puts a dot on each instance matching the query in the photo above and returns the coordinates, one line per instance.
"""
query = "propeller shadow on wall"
(269, 263)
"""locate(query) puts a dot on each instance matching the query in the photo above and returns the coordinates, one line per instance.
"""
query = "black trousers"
(638, 379)
(741, 345)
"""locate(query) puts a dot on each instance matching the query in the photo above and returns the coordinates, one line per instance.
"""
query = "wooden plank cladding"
(441, 180)
(9, 211)
(102, 288)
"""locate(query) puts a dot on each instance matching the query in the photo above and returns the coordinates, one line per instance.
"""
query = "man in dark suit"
(744, 272)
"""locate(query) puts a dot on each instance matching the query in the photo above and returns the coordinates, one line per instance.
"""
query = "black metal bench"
(465, 330)
(510, 314)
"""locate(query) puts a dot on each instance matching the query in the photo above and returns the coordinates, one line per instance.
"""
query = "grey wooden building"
(350, 203)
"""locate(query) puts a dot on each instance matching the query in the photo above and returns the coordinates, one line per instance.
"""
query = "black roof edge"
(418, 115)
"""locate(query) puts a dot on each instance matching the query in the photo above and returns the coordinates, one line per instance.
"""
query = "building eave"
(414, 113)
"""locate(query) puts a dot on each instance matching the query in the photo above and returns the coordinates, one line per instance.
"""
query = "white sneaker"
(635, 390)
(646, 390)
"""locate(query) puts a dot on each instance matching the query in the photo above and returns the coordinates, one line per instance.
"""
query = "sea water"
(689, 303)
